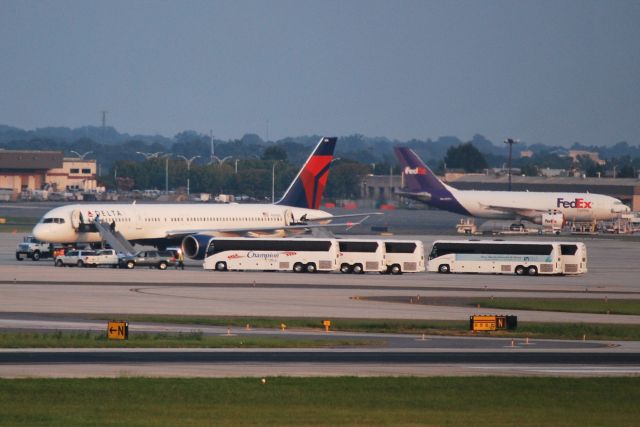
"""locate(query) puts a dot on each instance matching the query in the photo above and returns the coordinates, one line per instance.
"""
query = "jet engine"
(195, 246)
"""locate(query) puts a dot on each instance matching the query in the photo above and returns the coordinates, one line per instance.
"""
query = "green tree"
(275, 152)
(465, 156)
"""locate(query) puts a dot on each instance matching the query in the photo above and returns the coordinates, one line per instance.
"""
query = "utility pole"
(166, 175)
(510, 142)
(213, 151)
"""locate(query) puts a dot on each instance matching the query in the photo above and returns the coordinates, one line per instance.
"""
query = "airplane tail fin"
(417, 176)
(306, 189)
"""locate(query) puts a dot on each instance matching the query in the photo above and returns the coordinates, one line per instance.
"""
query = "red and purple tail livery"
(306, 189)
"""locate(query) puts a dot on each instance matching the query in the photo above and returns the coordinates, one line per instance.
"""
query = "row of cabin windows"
(203, 219)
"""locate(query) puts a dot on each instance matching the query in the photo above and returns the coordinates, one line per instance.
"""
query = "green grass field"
(344, 401)
(540, 330)
(163, 340)
(18, 224)
(583, 305)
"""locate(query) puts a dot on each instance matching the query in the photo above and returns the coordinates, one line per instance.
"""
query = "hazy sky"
(542, 71)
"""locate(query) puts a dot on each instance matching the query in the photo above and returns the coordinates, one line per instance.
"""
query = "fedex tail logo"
(415, 171)
(578, 203)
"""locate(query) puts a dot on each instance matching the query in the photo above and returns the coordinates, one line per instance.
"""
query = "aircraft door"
(75, 219)
(288, 217)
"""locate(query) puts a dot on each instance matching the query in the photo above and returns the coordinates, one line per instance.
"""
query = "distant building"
(574, 154)
(25, 170)
(526, 153)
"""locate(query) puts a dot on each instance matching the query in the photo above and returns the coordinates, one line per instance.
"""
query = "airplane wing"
(251, 230)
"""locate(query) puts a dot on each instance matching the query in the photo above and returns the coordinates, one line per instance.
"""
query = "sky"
(555, 72)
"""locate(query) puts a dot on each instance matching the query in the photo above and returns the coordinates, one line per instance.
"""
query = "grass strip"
(582, 305)
(17, 224)
(342, 401)
(60, 339)
(570, 331)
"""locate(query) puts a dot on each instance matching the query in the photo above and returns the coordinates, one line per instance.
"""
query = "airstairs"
(114, 238)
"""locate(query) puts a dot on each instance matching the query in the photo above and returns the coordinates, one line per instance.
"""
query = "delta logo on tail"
(578, 203)
(307, 188)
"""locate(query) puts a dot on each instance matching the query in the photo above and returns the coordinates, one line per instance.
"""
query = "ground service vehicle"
(360, 256)
(33, 248)
(104, 257)
(75, 257)
(404, 256)
(498, 257)
(159, 259)
(283, 254)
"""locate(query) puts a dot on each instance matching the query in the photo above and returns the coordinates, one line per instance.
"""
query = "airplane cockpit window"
(53, 220)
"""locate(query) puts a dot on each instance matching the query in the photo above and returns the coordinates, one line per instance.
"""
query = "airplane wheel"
(395, 269)
(311, 268)
(298, 267)
(444, 269)
(520, 270)
(345, 268)
(532, 271)
(221, 266)
(357, 269)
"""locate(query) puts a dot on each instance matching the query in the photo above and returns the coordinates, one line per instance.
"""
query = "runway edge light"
(118, 330)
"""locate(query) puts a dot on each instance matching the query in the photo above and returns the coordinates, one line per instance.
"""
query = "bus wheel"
(395, 269)
(357, 269)
(444, 269)
(298, 267)
(532, 271)
(345, 268)
(221, 266)
(311, 268)
(519, 270)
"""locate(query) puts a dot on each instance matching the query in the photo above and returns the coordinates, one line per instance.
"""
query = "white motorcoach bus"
(404, 256)
(281, 254)
(574, 257)
(361, 256)
(498, 257)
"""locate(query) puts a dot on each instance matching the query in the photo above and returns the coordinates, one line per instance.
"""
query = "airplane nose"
(40, 232)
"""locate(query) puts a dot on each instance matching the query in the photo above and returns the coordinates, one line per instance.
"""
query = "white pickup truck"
(106, 257)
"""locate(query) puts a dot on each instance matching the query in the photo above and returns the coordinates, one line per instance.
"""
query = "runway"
(38, 296)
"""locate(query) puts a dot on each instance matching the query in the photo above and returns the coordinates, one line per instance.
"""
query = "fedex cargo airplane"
(424, 186)
(193, 225)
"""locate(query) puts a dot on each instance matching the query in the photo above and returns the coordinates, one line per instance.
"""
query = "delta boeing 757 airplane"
(193, 225)
(422, 185)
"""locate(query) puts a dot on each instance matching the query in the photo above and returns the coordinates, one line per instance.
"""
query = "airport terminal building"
(382, 187)
(22, 170)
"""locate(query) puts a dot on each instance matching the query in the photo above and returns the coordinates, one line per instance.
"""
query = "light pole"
(221, 160)
(148, 156)
(236, 162)
(188, 169)
(510, 142)
(81, 156)
(273, 181)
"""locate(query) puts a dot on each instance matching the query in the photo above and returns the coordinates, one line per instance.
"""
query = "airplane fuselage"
(154, 222)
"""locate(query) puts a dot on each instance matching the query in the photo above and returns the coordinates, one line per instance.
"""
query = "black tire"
(80, 263)
(221, 266)
(59, 263)
(298, 267)
(532, 270)
(130, 265)
(357, 269)
(311, 268)
(519, 270)
(444, 269)
(36, 256)
(345, 268)
(395, 269)
(162, 265)
(18, 257)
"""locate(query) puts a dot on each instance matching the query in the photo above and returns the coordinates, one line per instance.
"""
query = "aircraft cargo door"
(75, 219)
